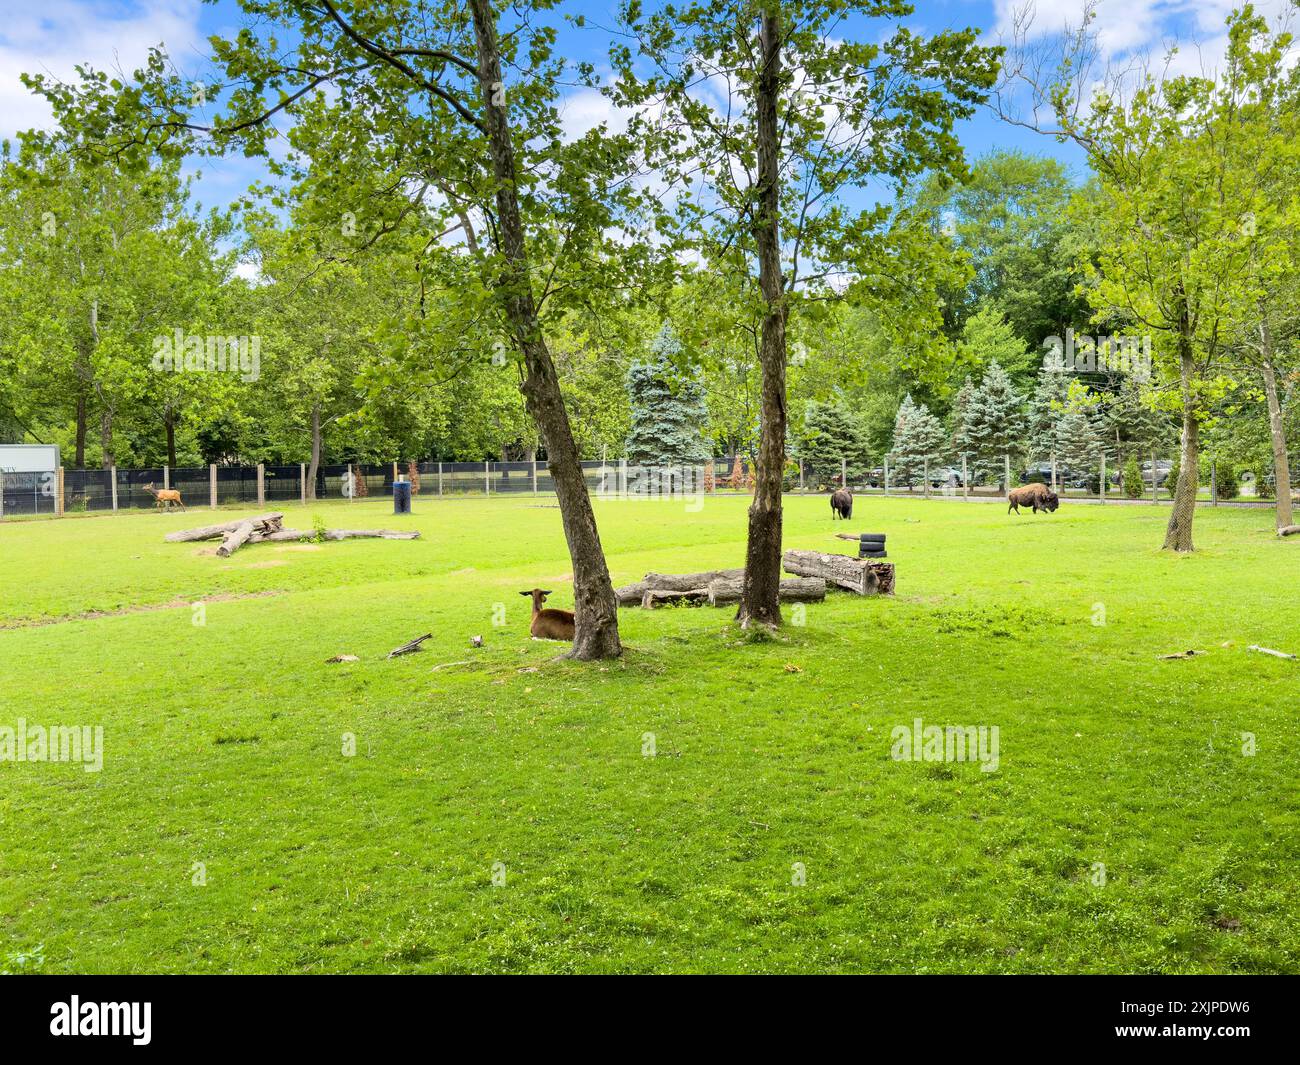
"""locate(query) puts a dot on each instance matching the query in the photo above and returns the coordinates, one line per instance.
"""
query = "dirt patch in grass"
(267, 564)
(175, 604)
(299, 547)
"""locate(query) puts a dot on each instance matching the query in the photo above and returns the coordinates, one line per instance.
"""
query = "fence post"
(58, 498)
(1055, 486)
(604, 470)
(965, 480)
(1155, 499)
(302, 482)
(801, 475)
(534, 476)
(167, 477)
(844, 471)
(1006, 471)
(925, 473)
(487, 478)
(112, 486)
(212, 485)
(622, 477)
(352, 484)
(886, 475)
(1214, 483)
(440, 478)
(1101, 485)
(261, 484)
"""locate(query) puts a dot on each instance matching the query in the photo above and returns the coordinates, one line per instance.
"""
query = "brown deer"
(549, 624)
(164, 497)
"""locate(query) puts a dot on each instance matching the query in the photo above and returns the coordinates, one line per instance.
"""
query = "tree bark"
(106, 437)
(263, 523)
(761, 602)
(169, 420)
(595, 610)
(1281, 463)
(313, 467)
(80, 456)
(1178, 534)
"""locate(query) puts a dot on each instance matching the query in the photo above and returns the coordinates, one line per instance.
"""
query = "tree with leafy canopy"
(809, 115)
(1182, 170)
(408, 103)
(919, 438)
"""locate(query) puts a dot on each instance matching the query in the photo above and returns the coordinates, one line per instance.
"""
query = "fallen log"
(792, 590)
(1288, 530)
(288, 535)
(212, 532)
(634, 594)
(661, 596)
(865, 576)
(411, 647)
(235, 539)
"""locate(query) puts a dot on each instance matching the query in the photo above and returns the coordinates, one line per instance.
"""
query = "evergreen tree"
(832, 433)
(1079, 444)
(668, 409)
(1048, 406)
(918, 438)
(993, 423)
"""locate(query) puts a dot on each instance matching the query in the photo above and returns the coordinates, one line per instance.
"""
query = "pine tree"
(669, 412)
(1047, 407)
(830, 434)
(918, 438)
(1078, 443)
(993, 423)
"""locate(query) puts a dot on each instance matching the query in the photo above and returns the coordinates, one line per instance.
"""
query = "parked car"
(1163, 469)
(945, 475)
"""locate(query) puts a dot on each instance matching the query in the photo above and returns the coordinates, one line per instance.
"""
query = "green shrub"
(1263, 487)
(319, 529)
(1171, 483)
(1132, 478)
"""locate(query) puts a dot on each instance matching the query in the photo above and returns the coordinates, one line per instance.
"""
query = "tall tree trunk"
(595, 608)
(761, 600)
(313, 467)
(169, 420)
(80, 460)
(1281, 463)
(106, 436)
(1178, 534)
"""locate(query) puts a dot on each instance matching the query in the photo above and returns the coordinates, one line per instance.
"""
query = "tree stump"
(864, 576)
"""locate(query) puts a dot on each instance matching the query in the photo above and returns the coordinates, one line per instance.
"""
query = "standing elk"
(549, 624)
(164, 497)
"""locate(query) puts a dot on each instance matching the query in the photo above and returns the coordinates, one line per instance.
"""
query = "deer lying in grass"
(164, 497)
(549, 624)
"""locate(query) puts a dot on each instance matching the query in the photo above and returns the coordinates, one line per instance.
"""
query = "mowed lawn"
(224, 745)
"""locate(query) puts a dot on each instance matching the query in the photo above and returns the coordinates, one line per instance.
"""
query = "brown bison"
(1036, 495)
(841, 503)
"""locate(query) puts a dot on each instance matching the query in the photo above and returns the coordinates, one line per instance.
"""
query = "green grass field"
(223, 745)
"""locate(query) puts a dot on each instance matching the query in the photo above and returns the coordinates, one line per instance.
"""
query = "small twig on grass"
(409, 648)
(1268, 651)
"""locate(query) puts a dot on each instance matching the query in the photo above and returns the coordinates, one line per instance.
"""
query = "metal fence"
(78, 491)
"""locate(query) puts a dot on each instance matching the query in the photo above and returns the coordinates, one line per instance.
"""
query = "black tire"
(873, 554)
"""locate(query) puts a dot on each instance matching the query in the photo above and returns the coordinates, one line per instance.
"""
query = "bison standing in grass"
(841, 503)
(1036, 495)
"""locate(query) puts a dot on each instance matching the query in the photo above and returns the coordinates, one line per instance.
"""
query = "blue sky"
(53, 35)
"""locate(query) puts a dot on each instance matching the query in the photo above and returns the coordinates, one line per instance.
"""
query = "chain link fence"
(82, 491)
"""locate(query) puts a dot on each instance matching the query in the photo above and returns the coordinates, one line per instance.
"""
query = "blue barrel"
(401, 497)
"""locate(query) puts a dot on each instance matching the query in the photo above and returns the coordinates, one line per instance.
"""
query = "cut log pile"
(269, 528)
(812, 569)
(864, 576)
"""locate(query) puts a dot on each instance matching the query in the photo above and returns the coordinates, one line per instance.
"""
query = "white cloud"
(53, 36)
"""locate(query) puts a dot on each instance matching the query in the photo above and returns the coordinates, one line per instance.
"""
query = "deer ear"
(525, 593)
(546, 592)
